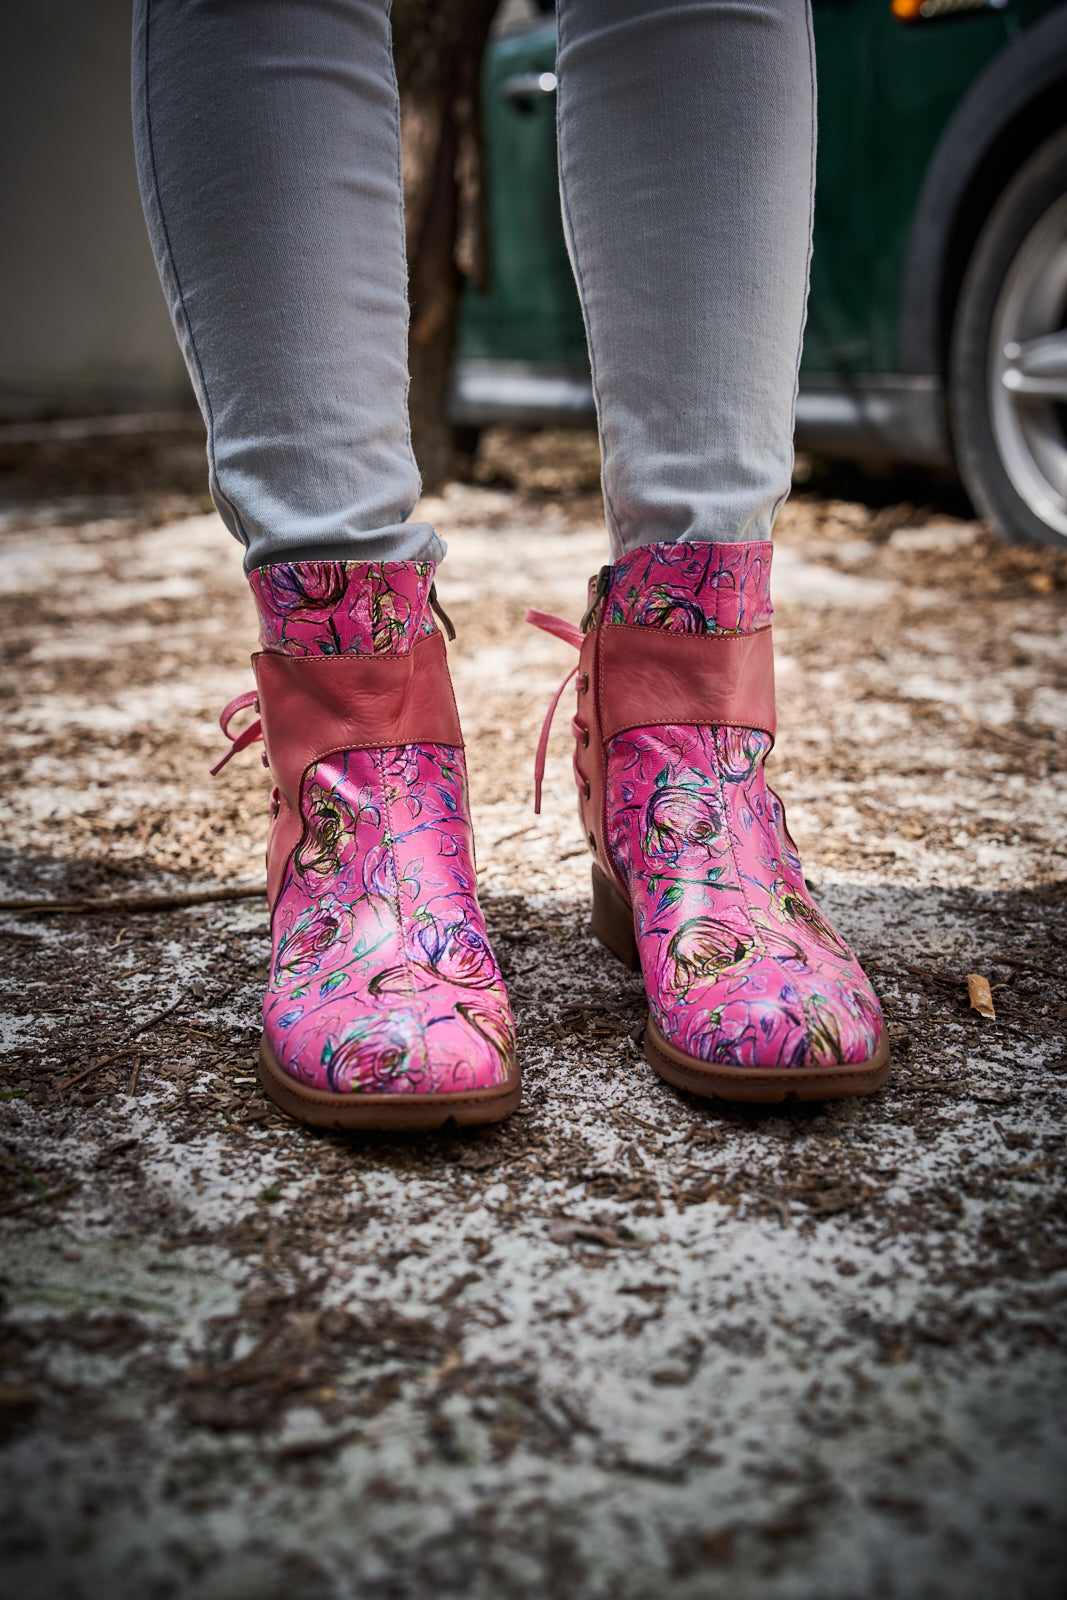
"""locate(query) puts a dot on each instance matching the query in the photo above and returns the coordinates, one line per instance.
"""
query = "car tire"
(1008, 361)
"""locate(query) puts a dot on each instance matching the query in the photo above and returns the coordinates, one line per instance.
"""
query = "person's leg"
(267, 143)
(268, 153)
(687, 166)
(686, 132)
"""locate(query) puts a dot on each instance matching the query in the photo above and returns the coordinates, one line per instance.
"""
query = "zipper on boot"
(440, 613)
(603, 578)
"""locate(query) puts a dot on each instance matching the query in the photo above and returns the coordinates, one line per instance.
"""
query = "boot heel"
(612, 921)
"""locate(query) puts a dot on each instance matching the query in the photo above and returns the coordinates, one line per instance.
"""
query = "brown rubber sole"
(613, 924)
(386, 1112)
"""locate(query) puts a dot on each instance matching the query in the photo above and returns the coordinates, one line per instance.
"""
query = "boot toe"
(765, 1017)
(345, 1050)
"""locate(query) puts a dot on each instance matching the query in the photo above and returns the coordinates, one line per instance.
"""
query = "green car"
(936, 325)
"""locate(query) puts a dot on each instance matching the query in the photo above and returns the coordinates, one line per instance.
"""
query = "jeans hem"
(407, 541)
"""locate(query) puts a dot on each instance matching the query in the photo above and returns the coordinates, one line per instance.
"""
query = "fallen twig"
(566, 1230)
(776, 1202)
(137, 902)
(160, 1016)
(1025, 966)
(946, 980)
(38, 1199)
(249, 1369)
(104, 1061)
(301, 1449)
(655, 1126)
(516, 833)
(1021, 740)
(131, 1087)
(127, 1050)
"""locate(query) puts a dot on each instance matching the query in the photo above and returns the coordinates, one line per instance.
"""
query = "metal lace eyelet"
(584, 741)
(583, 683)
(586, 790)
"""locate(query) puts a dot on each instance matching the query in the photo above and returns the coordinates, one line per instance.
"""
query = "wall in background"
(83, 323)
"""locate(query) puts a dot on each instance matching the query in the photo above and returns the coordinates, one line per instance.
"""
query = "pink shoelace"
(247, 736)
(570, 633)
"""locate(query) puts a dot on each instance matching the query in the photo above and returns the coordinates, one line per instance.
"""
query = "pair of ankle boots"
(385, 1006)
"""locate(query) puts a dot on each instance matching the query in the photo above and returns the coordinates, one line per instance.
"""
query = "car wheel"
(1008, 366)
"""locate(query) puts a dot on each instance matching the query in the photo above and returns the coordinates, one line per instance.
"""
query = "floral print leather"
(382, 979)
(693, 588)
(331, 608)
(741, 967)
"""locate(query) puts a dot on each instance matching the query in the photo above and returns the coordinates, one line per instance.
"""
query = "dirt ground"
(628, 1344)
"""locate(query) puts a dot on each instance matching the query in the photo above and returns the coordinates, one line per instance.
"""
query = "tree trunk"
(438, 46)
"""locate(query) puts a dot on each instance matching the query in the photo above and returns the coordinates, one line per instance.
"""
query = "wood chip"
(980, 994)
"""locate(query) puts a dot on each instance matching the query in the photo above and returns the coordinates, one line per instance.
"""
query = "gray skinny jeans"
(267, 139)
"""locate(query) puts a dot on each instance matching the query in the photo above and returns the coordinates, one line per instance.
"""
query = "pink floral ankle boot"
(385, 1007)
(752, 994)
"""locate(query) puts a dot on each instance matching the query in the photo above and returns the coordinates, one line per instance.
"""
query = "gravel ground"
(629, 1343)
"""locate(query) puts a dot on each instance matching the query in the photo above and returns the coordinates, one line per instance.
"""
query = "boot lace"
(247, 736)
(571, 634)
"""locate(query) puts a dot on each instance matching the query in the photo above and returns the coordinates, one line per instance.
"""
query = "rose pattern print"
(331, 608)
(382, 978)
(693, 588)
(741, 967)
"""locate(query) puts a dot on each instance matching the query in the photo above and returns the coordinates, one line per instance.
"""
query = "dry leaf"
(981, 994)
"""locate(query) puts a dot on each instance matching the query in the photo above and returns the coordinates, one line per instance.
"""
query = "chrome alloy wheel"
(1028, 370)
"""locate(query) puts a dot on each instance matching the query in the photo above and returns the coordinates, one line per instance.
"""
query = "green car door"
(930, 111)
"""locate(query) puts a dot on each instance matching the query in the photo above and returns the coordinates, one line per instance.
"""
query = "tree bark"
(438, 46)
